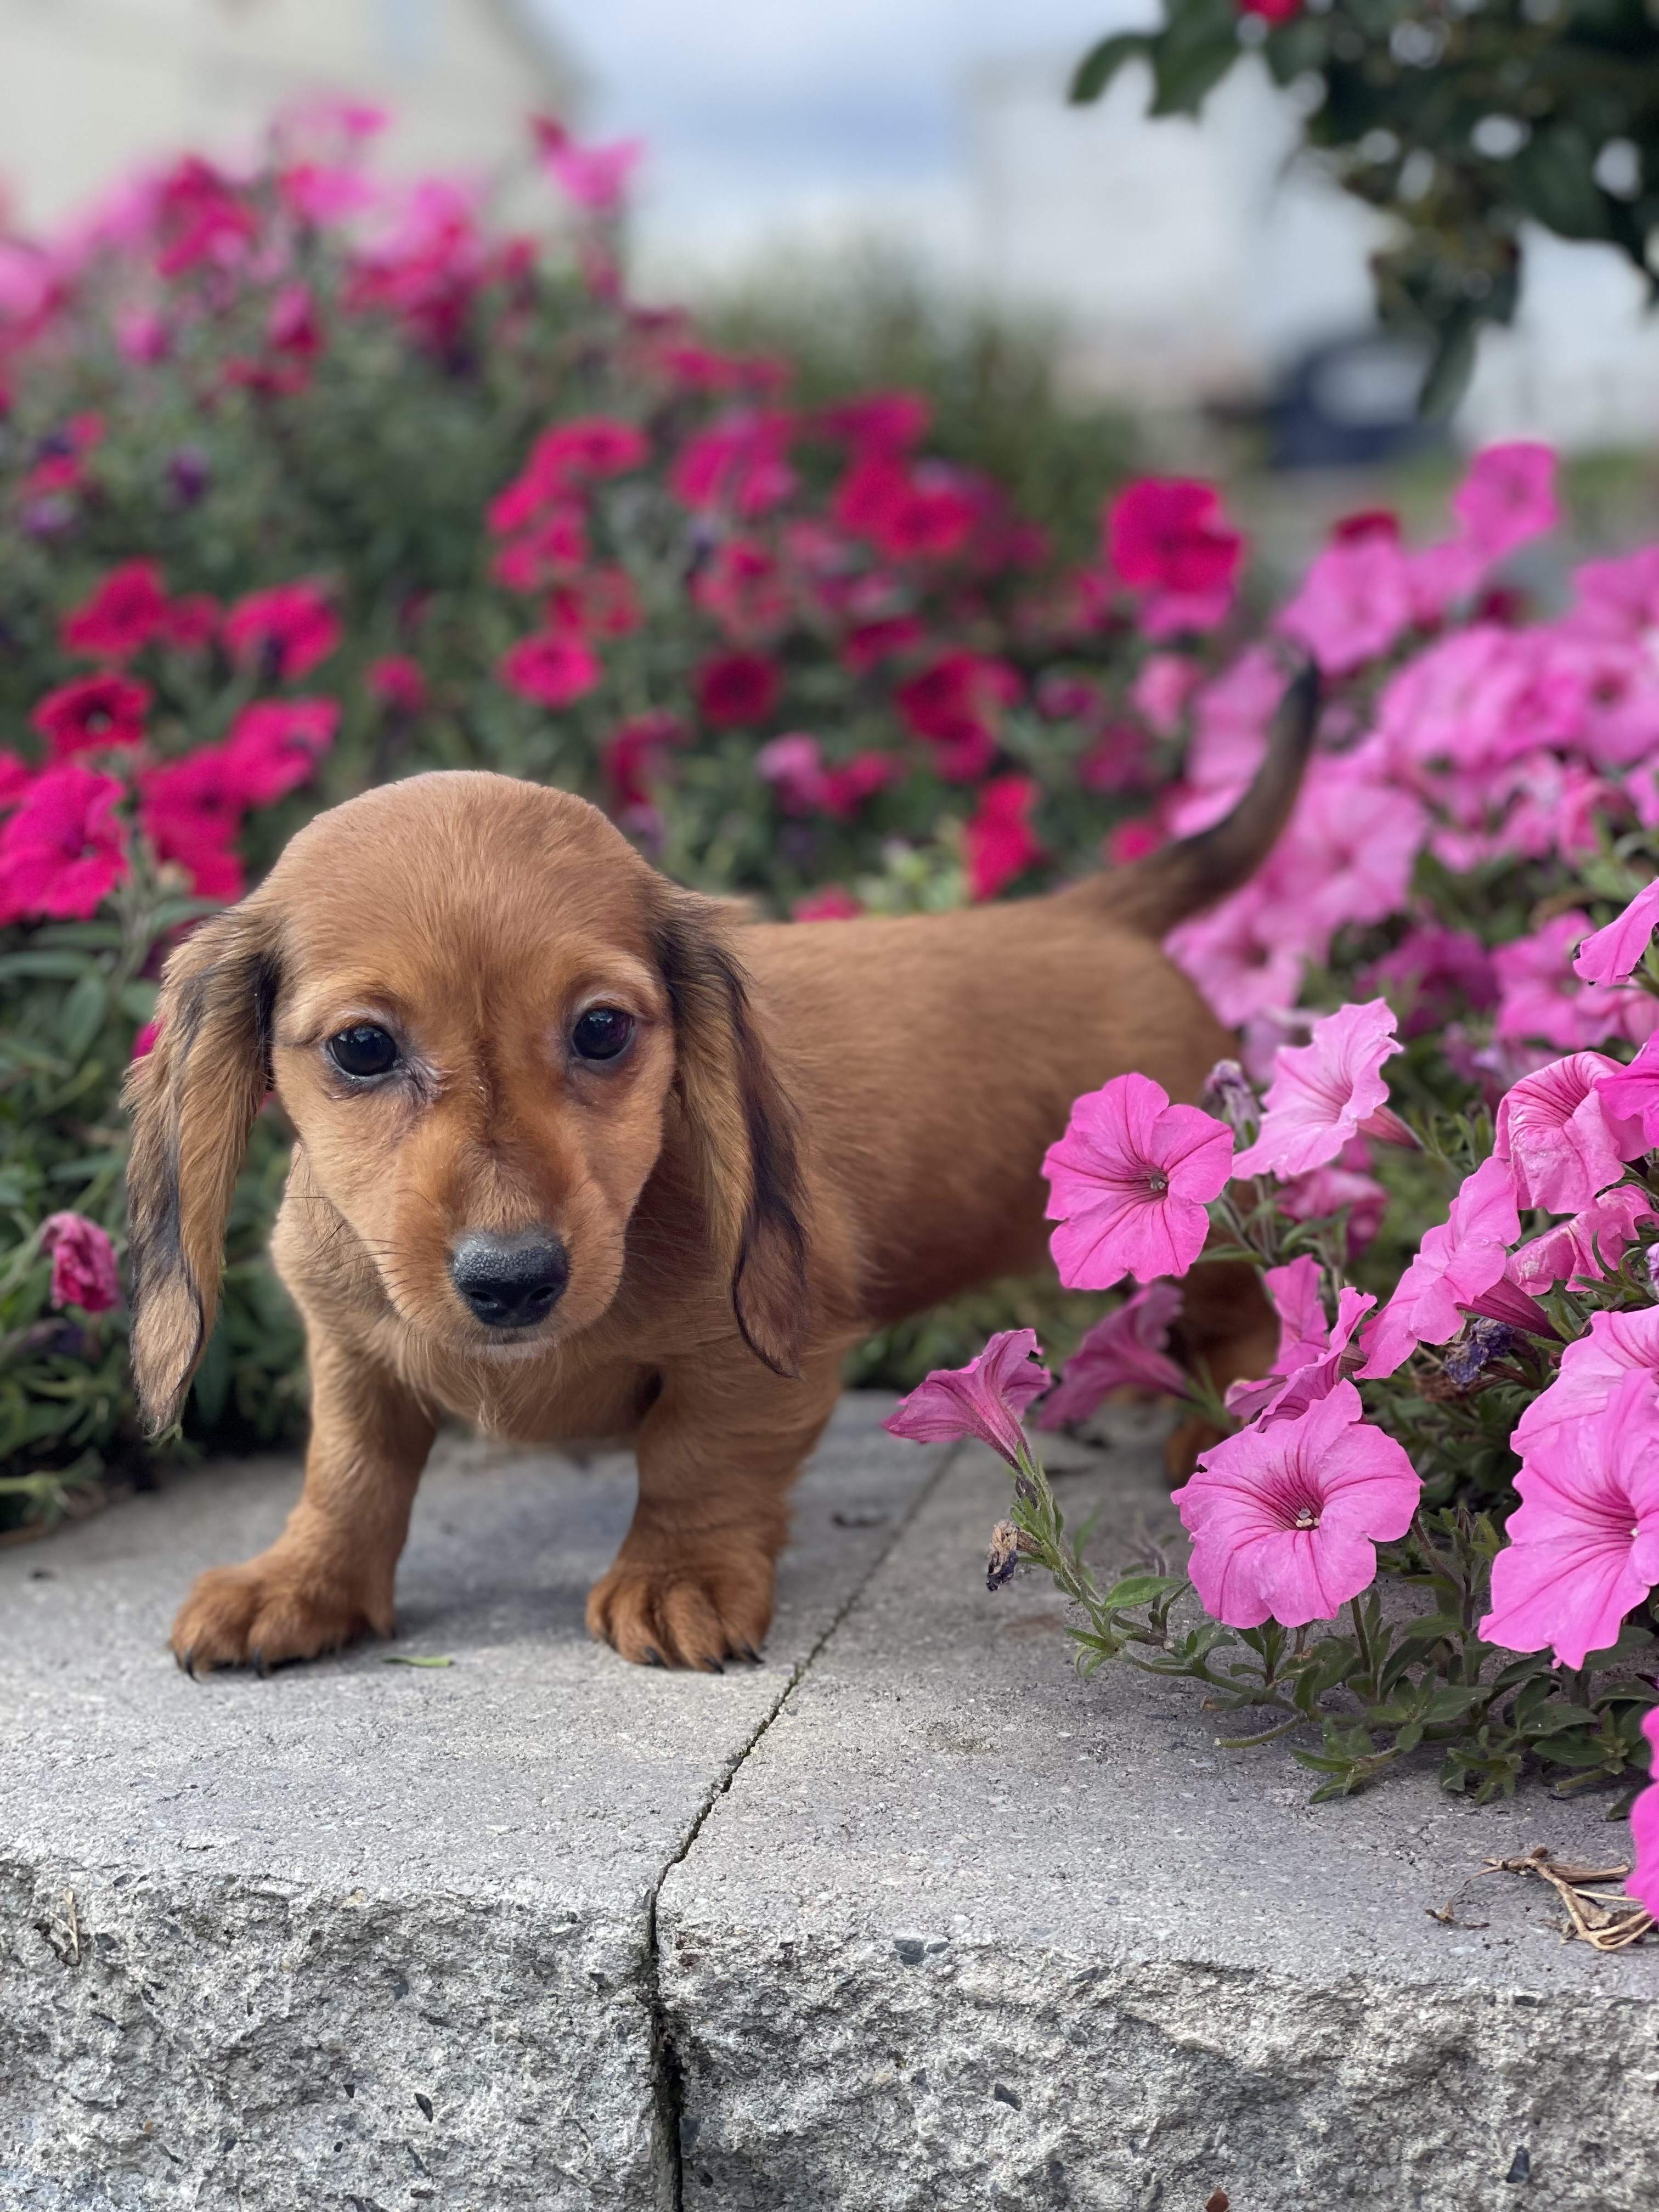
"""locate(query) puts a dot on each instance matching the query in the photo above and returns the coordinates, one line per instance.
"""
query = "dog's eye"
(602, 1033)
(363, 1050)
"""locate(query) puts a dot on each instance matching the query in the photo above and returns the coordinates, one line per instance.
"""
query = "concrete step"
(909, 1917)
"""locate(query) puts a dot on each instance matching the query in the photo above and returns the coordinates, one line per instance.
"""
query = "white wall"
(89, 88)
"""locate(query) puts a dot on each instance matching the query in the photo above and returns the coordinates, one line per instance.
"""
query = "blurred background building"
(1179, 264)
(89, 89)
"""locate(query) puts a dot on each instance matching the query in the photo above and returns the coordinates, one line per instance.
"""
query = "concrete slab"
(366, 1936)
(967, 1931)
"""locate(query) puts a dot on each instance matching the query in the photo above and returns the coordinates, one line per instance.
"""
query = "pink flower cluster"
(65, 840)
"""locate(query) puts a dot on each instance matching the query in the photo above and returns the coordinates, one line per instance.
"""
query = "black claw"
(750, 1653)
(712, 1666)
(653, 1657)
(260, 1667)
(187, 1660)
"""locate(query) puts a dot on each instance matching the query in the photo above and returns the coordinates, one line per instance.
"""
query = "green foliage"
(1462, 122)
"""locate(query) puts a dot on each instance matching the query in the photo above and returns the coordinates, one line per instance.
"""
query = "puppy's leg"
(692, 1585)
(1228, 1326)
(328, 1577)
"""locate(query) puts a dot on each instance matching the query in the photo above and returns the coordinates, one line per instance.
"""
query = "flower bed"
(307, 483)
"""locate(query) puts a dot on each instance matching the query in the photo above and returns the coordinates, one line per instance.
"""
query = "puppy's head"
(481, 1011)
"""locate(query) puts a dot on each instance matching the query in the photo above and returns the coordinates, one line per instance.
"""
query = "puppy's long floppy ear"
(192, 1101)
(744, 1128)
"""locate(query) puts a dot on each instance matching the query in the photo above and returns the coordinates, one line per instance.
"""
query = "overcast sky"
(764, 114)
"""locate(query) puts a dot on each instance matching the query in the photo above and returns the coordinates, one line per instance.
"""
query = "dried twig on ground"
(1606, 1920)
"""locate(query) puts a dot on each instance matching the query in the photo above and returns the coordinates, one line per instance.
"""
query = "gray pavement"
(366, 1934)
(938, 1925)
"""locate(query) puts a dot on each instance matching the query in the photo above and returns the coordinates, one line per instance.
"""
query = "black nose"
(510, 1282)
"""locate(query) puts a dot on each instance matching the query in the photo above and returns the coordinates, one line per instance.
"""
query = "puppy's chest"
(545, 1400)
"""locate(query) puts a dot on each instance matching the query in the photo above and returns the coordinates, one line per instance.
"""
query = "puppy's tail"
(1181, 880)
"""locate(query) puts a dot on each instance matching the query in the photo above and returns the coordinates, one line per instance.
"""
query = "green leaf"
(1409, 1737)
(55, 967)
(82, 1015)
(1185, 74)
(1140, 1590)
(1553, 177)
(411, 1659)
(1102, 64)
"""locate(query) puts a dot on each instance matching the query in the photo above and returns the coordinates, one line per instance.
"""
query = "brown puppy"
(577, 1158)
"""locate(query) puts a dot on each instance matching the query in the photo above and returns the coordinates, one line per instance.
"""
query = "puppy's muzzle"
(510, 1282)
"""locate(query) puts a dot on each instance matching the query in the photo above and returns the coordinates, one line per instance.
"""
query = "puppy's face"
(474, 999)
(474, 1041)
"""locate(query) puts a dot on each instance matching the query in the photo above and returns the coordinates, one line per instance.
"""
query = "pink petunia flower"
(1561, 1140)
(594, 177)
(1643, 1880)
(83, 1269)
(1591, 1368)
(1335, 1189)
(1324, 1092)
(1632, 1094)
(289, 628)
(1507, 497)
(551, 668)
(1539, 997)
(1583, 1544)
(63, 850)
(1129, 1182)
(1456, 1264)
(985, 1399)
(1127, 1349)
(998, 843)
(1614, 954)
(833, 903)
(1587, 1248)
(128, 609)
(1354, 604)
(737, 689)
(1169, 534)
(1286, 1519)
(1312, 1358)
(92, 713)
(398, 683)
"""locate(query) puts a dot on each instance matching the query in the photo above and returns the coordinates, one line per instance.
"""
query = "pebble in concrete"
(968, 1932)
(367, 1935)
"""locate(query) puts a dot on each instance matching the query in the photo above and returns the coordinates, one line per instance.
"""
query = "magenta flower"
(1592, 1367)
(1643, 1881)
(63, 850)
(1587, 1248)
(1324, 1092)
(552, 668)
(985, 1399)
(1286, 1519)
(1558, 1134)
(1613, 955)
(1507, 497)
(1539, 997)
(1129, 1182)
(1583, 1544)
(1355, 602)
(594, 177)
(1126, 1349)
(83, 1270)
(291, 627)
(1632, 1094)
(1457, 1265)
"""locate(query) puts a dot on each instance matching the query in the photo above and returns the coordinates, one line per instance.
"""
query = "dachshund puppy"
(577, 1156)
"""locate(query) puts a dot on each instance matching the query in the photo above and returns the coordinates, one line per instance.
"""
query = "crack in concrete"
(667, 2078)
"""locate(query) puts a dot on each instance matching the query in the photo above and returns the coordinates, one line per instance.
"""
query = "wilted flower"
(1125, 1350)
(985, 1399)
(1485, 1342)
(1007, 1542)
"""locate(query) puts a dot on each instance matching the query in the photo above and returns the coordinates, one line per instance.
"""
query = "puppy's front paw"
(683, 1610)
(266, 1611)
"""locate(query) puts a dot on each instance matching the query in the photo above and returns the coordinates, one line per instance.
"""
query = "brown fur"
(818, 1129)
